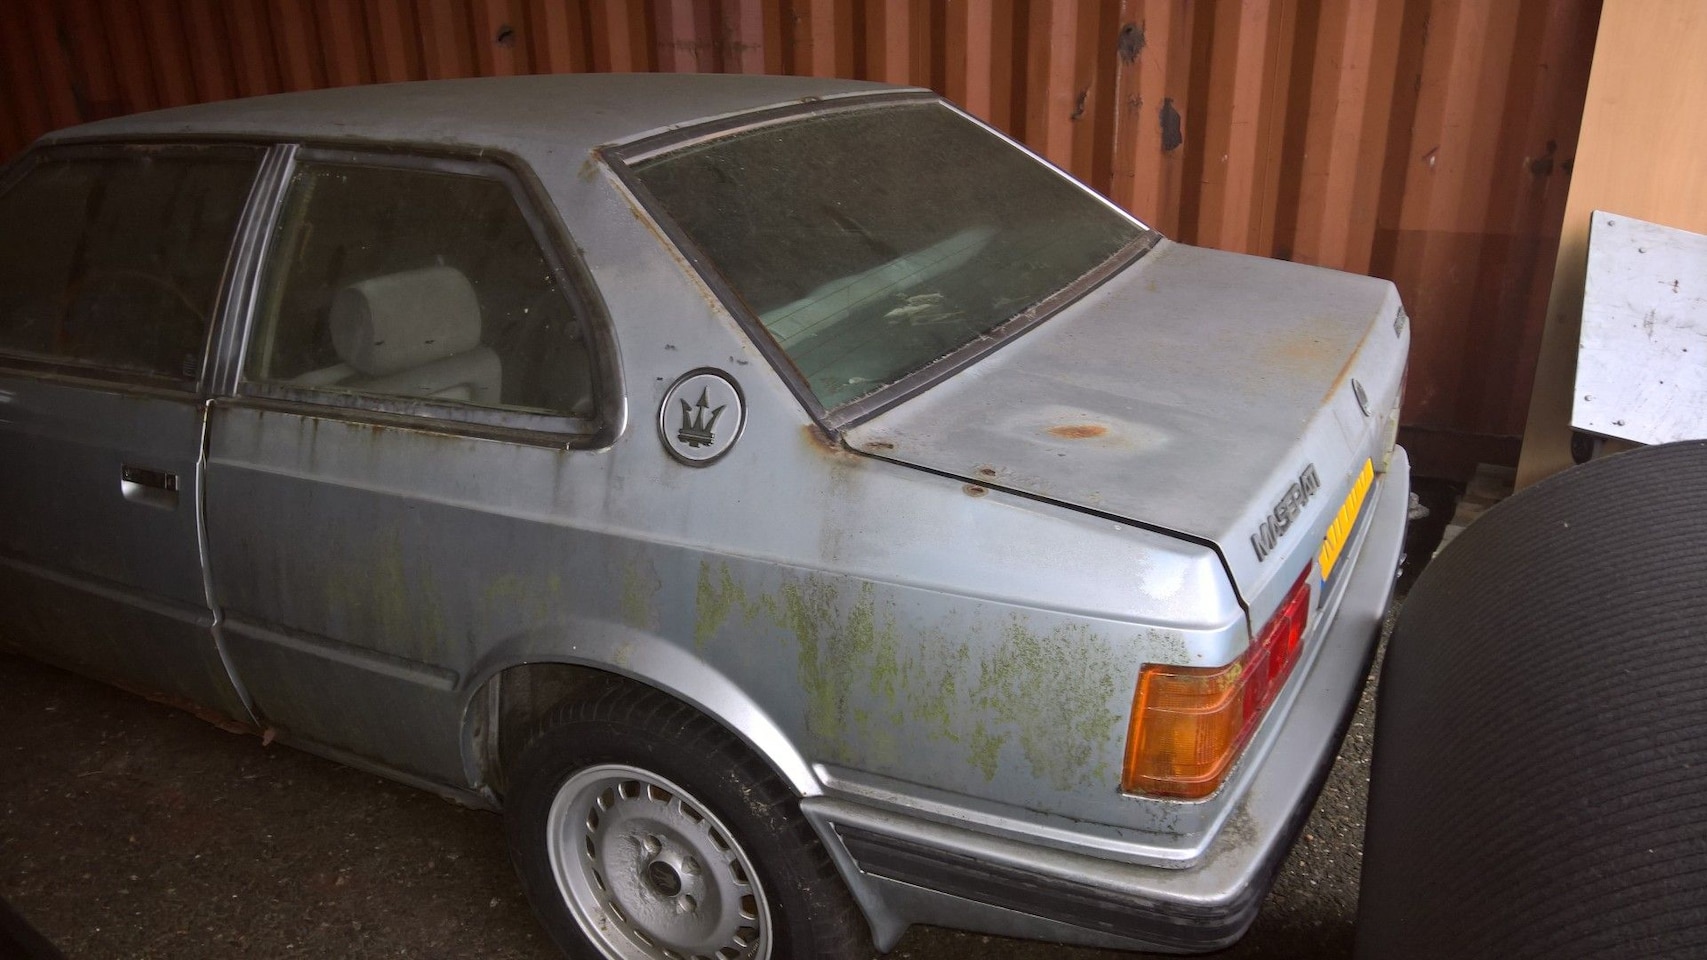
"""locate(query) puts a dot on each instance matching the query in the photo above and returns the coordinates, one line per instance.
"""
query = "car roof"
(534, 117)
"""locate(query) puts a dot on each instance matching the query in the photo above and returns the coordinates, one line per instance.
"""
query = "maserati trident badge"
(696, 430)
(701, 416)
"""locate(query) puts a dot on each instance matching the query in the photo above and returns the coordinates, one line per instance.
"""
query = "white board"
(1642, 358)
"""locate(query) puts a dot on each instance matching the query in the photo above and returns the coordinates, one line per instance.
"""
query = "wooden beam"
(1638, 155)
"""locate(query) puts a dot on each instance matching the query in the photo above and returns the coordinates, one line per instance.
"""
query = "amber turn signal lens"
(1190, 719)
(1189, 723)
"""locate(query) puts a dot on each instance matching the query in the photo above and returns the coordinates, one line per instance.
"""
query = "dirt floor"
(131, 830)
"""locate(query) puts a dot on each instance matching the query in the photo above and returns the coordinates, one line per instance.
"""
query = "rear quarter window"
(421, 283)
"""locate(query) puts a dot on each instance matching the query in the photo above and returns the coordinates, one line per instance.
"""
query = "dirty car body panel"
(925, 604)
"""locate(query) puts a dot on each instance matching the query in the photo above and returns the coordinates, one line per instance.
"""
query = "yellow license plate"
(1334, 543)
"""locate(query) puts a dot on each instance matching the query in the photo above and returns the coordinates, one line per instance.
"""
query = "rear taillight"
(1189, 723)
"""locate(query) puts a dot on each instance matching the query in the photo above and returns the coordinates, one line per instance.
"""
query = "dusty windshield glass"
(872, 242)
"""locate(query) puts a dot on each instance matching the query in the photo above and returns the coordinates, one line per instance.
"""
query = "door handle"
(153, 488)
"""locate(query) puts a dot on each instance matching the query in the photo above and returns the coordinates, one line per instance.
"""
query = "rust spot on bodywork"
(973, 490)
(880, 445)
(822, 439)
(1312, 350)
(1344, 374)
(1078, 431)
(206, 714)
(986, 471)
(825, 442)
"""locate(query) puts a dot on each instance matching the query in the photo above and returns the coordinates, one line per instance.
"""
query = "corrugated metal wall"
(1427, 141)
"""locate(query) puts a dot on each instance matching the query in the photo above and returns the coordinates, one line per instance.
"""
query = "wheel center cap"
(663, 878)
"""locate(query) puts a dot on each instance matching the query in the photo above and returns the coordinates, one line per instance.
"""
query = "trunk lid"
(1189, 393)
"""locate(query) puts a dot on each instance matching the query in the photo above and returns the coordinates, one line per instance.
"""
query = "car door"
(111, 265)
(417, 384)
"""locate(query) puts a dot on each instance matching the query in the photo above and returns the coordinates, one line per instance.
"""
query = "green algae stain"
(807, 608)
(984, 750)
(868, 693)
(503, 592)
(389, 584)
(717, 596)
(930, 676)
(640, 587)
(1053, 691)
(846, 654)
(390, 607)
(713, 600)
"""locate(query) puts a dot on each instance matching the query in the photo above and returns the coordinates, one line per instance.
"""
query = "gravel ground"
(133, 830)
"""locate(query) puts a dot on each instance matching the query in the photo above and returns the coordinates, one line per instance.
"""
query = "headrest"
(402, 320)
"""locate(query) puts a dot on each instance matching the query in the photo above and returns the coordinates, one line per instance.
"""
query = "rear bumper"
(906, 870)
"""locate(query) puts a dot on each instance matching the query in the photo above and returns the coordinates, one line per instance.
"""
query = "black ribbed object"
(1539, 785)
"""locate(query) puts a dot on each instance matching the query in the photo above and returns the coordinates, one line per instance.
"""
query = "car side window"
(419, 282)
(113, 258)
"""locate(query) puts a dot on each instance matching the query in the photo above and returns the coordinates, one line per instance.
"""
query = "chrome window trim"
(620, 157)
(225, 357)
(321, 405)
(650, 146)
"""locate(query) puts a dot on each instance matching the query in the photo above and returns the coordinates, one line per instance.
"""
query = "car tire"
(643, 829)
(1539, 778)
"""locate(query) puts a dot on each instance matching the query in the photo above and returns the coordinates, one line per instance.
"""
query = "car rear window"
(871, 242)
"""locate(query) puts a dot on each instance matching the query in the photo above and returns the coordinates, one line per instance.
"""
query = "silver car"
(800, 509)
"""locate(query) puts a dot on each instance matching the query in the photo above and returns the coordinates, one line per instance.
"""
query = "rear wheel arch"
(511, 703)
